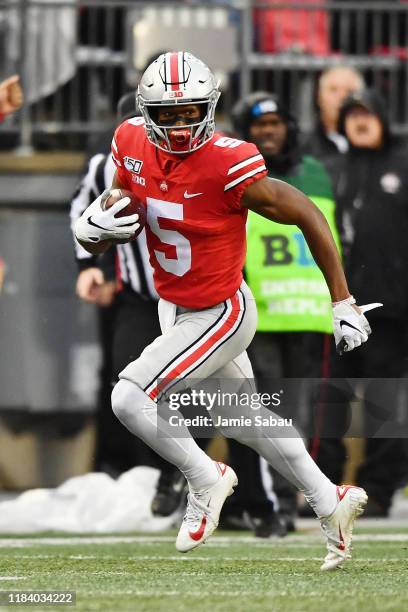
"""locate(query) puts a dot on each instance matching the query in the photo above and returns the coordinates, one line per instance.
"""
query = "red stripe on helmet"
(174, 72)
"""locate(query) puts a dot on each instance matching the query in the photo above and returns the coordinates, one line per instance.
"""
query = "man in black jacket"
(324, 142)
(372, 207)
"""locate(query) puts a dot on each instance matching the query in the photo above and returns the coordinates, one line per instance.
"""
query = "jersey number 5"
(157, 209)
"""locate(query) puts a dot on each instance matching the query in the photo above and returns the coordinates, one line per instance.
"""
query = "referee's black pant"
(383, 408)
(126, 329)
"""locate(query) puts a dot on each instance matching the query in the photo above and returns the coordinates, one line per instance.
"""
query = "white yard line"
(217, 541)
(194, 557)
(13, 578)
(261, 559)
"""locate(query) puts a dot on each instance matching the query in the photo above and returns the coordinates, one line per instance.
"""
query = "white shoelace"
(195, 509)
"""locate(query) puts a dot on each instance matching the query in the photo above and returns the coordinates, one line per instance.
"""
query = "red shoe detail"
(342, 545)
(197, 535)
(342, 490)
(223, 468)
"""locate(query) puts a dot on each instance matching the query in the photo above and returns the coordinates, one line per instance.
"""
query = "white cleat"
(203, 510)
(338, 527)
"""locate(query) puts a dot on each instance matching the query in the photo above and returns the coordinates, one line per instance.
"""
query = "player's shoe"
(338, 527)
(203, 510)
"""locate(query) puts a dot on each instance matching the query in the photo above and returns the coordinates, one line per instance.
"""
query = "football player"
(198, 187)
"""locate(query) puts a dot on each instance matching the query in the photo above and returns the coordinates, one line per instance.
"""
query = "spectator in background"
(324, 141)
(11, 96)
(372, 198)
(294, 307)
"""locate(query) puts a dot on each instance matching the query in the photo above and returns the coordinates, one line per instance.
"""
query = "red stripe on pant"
(174, 72)
(178, 370)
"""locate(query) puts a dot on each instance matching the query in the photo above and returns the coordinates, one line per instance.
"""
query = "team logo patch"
(390, 182)
(133, 165)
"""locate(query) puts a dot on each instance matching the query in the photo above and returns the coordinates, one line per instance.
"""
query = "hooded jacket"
(372, 209)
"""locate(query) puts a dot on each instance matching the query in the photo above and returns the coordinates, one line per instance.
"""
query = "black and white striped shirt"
(133, 257)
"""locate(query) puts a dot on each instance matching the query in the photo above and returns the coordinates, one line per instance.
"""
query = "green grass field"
(233, 572)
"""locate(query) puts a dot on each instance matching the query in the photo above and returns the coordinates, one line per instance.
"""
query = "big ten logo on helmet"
(280, 251)
(173, 94)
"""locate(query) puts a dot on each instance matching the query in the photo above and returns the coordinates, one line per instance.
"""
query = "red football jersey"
(195, 226)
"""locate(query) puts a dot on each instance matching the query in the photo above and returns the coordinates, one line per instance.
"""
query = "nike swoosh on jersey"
(197, 535)
(191, 195)
(343, 322)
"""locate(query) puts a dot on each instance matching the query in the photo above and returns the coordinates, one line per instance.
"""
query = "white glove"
(96, 224)
(351, 329)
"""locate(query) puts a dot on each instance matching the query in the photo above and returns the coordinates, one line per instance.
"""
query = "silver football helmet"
(173, 79)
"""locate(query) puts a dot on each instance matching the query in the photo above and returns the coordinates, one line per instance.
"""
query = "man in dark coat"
(372, 208)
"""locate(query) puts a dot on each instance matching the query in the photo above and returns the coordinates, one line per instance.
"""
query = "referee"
(121, 283)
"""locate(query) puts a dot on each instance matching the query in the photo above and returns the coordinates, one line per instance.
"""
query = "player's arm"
(96, 283)
(116, 182)
(97, 228)
(90, 278)
(282, 203)
(85, 193)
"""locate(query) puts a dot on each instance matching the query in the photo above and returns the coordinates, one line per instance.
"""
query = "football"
(135, 206)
